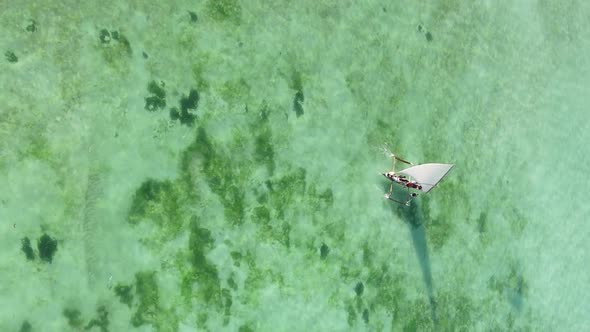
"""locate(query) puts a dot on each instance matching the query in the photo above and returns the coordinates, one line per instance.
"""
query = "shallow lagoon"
(215, 166)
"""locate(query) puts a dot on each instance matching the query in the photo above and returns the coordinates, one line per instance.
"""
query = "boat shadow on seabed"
(412, 216)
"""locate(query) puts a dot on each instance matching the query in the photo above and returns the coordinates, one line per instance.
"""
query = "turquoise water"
(215, 166)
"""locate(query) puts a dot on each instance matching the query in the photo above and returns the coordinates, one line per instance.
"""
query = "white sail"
(427, 175)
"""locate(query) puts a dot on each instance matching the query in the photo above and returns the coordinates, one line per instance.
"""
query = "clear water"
(128, 205)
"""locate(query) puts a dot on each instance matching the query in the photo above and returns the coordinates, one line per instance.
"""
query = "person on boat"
(413, 185)
(401, 179)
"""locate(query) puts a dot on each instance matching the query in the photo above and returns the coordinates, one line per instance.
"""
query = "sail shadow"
(412, 216)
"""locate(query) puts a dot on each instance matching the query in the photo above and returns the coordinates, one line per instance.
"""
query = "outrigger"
(421, 177)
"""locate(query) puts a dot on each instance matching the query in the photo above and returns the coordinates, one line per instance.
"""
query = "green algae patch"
(149, 310)
(231, 282)
(39, 148)
(256, 280)
(482, 222)
(296, 83)
(11, 57)
(277, 231)
(47, 246)
(193, 16)
(157, 90)
(439, 230)
(380, 132)
(236, 257)
(389, 289)
(264, 151)
(455, 311)
(105, 36)
(74, 317)
(205, 163)
(367, 254)
(224, 10)
(319, 200)
(26, 327)
(517, 283)
(115, 45)
(201, 282)
(324, 251)
(101, 321)
(286, 189)
(157, 96)
(75, 321)
(517, 221)
(159, 201)
(27, 249)
(116, 49)
(226, 300)
(149, 192)
(197, 71)
(295, 80)
(512, 286)
(347, 272)
(351, 315)
(298, 100)
(365, 316)
(148, 297)
(359, 288)
(415, 316)
(386, 284)
(188, 175)
(246, 328)
(263, 143)
(124, 293)
(215, 165)
(32, 26)
(188, 107)
(190, 102)
(327, 197)
(261, 216)
(235, 91)
(203, 273)
(282, 234)
(234, 204)
(381, 288)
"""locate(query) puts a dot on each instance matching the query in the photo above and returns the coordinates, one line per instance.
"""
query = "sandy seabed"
(216, 166)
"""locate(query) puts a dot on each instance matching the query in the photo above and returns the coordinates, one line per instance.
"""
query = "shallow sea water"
(215, 166)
